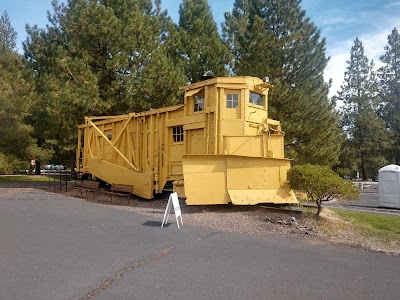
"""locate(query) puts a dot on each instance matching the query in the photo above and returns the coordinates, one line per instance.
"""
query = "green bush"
(321, 183)
(10, 164)
(343, 172)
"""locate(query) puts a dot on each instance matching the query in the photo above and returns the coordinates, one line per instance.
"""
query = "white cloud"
(337, 65)
(374, 45)
(392, 4)
(373, 42)
(337, 20)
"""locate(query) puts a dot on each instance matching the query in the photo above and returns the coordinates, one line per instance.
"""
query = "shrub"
(321, 183)
(343, 172)
(9, 164)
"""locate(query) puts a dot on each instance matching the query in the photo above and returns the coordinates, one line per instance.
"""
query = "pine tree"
(274, 38)
(8, 36)
(99, 58)
(14, 95)
(201, 47)
(16, 142)
(360, 95)
(390, 80)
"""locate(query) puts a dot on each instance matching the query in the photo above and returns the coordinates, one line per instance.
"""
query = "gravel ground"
(252, 220)
(255, 220)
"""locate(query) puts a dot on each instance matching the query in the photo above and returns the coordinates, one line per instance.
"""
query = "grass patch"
(307, 211)
(24, 178)
(386, 228)
(376, 232)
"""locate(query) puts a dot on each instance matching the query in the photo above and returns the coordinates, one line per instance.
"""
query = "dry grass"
(378, 232)
(331, 226)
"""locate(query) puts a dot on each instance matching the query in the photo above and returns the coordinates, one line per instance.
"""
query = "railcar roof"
(106, 119)
(227, 80)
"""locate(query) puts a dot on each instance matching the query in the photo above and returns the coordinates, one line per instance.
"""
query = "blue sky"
(340, 21)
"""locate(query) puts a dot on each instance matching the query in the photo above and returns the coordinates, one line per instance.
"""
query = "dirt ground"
(253, 220)
(249, 220)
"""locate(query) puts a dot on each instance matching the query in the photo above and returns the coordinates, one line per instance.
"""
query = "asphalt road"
(57, 247)
(369, 202)
(370, 199)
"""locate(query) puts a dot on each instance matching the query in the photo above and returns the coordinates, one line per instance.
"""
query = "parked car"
(53, 168)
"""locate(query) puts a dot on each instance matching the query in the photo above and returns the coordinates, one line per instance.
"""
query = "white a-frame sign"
(173, 201)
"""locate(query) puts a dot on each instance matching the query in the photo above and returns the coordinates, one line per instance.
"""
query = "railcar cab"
(224, 111)
(230, 97)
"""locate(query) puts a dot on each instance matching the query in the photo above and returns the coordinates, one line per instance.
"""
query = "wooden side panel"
(197, 141)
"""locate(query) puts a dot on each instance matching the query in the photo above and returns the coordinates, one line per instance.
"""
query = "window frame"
(232, 101)
(177, 134)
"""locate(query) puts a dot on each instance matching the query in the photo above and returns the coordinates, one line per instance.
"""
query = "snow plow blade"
(242, 180)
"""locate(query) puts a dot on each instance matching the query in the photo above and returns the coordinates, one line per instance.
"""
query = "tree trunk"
(397, 158)
(319, 206)
(72, 161)
(363, 171)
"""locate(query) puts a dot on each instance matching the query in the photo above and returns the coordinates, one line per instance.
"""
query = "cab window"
(256, 99)
(198, 101)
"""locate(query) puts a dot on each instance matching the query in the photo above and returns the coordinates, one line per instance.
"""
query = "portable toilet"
(389, 186)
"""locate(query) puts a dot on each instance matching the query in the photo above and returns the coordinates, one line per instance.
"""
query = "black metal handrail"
(58, 179)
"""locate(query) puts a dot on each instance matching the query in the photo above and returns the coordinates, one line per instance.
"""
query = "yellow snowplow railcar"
(217, 147)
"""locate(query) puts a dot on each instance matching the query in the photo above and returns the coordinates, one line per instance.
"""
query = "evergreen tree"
(14, 95)
(274, 38)
(201, 47)
(99, 58)
(8, 36)
(390, 80)
(360, 95)
(16, 142)
(348, 158)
